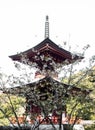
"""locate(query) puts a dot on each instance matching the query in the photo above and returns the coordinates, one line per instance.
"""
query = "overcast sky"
(22, 24)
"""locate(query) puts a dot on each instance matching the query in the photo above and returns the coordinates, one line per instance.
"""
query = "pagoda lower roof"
(44, 85)
(47, 46)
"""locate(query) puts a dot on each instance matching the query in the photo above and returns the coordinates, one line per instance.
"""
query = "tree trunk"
(60, 121)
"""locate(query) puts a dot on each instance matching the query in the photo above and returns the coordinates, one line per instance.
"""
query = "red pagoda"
(46, 57)
(46, 53)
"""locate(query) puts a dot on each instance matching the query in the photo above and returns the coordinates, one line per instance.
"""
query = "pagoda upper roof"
(47, 48)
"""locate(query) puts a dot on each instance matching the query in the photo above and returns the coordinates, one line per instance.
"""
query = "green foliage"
(9, 104)
(81, 108)
(90, 127)
(79, 105)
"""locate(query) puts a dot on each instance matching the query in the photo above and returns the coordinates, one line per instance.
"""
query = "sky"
(22, 25)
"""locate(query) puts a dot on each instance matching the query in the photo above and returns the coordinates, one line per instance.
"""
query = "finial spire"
(47, 27)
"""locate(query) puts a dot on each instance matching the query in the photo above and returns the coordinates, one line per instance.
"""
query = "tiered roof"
(45, 52)
(44, 86)
(47, 49)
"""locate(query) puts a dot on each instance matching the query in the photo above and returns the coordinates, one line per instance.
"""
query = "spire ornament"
(47, 27)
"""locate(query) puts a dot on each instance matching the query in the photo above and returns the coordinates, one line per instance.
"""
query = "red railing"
(53, 119)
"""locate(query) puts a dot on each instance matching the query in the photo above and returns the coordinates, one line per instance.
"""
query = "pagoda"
(46, 53)
(47, 57)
